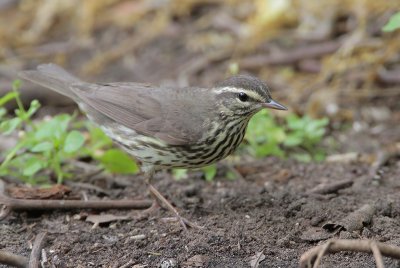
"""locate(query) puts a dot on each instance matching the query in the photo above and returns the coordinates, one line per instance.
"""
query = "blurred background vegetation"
(324, 59)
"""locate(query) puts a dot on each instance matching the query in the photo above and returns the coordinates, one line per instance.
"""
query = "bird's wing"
(153, 111)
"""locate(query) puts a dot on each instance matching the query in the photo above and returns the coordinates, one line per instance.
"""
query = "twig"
(381, 159)
(377, 255)
(291, 56)
(333, 246)
(4, 212)
(331, 187)
(34, 260)
(52, 48)
(30, 204)
(87, 186)
(321, 253)
(11, 259)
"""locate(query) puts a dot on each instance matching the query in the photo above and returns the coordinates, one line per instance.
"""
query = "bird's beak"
(274, 105)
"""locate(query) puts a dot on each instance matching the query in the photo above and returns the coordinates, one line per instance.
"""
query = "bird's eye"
(243, 96)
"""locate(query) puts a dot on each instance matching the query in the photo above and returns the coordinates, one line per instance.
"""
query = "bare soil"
(273, 209)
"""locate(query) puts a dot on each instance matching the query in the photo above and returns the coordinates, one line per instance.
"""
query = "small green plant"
(264, 136)
(208, 171)
(297, 137)
(49, 145)
(393, 23)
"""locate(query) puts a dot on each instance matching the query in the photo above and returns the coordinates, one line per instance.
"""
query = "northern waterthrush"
(165, 127)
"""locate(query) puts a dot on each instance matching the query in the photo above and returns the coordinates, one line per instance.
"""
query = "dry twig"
(313, 256)
(377, 255)
(332, 187)
(34, 260)
(14, 260)
(291, 56)
(30, 204)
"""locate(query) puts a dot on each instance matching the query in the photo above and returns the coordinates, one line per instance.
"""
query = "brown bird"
(165, 127)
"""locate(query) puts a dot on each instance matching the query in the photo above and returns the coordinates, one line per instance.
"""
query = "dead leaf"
(256, 259)
(57, 191)
(355, 221)
(282, 176)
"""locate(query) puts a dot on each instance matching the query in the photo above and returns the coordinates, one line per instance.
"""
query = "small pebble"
(138, 237)
(170, 263)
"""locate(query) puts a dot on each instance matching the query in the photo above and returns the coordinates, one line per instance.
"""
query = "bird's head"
(245, 95)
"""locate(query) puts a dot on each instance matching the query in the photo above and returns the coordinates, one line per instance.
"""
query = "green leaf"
(13, 152)
(9, 96)
(293, 140)
(54, 128)
(393, 23)
(230, 175)
(269, 148)
(117, 161)
(302, 157)
(319, 156)
(98, 139)
(2, 112)
(42, 147)
(295, 122)
(8, 126)
(210, 172)
(35, 105)
(179, 173)
(32, 166)
(16, 84)
(73, 141)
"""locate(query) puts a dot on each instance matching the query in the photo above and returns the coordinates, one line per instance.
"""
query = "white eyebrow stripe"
(252, 94)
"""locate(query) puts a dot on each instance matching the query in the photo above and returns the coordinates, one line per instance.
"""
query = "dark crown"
(247, 82)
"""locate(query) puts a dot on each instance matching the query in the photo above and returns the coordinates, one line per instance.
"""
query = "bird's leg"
(184, 222)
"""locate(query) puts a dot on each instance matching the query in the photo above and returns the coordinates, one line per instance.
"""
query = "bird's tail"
(53, 77)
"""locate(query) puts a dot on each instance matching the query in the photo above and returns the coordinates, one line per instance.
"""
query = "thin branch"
(332, 187)
(4, 212)
(377, 255)
(34, 260)
(321, 253)
(334, 246)
(291, 56)
(14, 260)
(38, 204)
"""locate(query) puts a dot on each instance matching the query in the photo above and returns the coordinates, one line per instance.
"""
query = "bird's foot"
(184, 222)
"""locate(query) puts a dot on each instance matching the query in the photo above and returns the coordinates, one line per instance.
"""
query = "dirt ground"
(277, 208)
